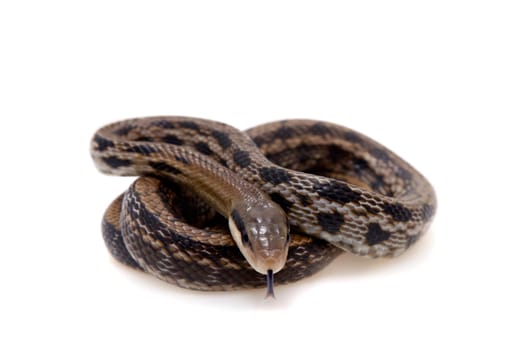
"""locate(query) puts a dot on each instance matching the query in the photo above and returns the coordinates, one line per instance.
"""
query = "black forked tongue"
(269, 284)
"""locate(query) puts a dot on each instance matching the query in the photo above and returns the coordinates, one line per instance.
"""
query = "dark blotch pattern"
(283, 202)
(397, 211)
(242, 158)
(123, 131)
(165, 124)
(274, 175)
(380, 154)
(222, 138)
(359, 165)
(335, 153)
(319, 129)
(103, 144)
(172, 139)
(336, 191)
(378, 184)
(284, 133)
(259, 141)
(353, 137)
(161, 166)
(404, 174)
(189, 125)
(203, 148)
(116, 162)
(330, 222)
(376, 234)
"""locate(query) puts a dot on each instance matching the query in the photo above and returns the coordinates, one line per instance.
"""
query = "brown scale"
(388, 196)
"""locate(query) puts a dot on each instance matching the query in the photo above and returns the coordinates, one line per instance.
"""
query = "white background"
(442, 83)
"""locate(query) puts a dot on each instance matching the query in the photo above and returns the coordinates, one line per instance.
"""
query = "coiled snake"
(336, 189)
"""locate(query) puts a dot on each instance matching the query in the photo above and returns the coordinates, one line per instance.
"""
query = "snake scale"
(293, 193)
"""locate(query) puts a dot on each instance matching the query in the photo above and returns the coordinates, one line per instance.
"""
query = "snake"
(215, 208)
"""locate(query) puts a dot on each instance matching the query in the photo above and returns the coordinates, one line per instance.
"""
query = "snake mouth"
(273, 260)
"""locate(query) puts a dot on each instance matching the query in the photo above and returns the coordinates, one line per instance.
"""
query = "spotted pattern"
(337, 191)
(164, 124)
(353, 137)
(102, 143)
(173, 139)
(242, 158)
(203, 148)
(116, 162)
(376, 234)
(124, 130)
(330, 222)
(274, 175)
(397, 211)
(335, 184)
(222, 138)
(320, 129)
(190, 125)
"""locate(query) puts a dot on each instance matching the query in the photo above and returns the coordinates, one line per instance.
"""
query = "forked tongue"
(269, 284)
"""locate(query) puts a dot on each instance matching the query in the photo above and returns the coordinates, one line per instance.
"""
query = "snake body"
(340, 190)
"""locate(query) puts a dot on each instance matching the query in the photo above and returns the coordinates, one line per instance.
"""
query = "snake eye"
(244, 237)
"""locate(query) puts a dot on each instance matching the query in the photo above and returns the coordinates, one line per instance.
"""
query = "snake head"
(262, 233)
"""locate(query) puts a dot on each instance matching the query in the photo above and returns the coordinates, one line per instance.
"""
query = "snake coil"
(339, 190)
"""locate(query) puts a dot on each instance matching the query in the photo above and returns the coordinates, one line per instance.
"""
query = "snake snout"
(271, 260)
